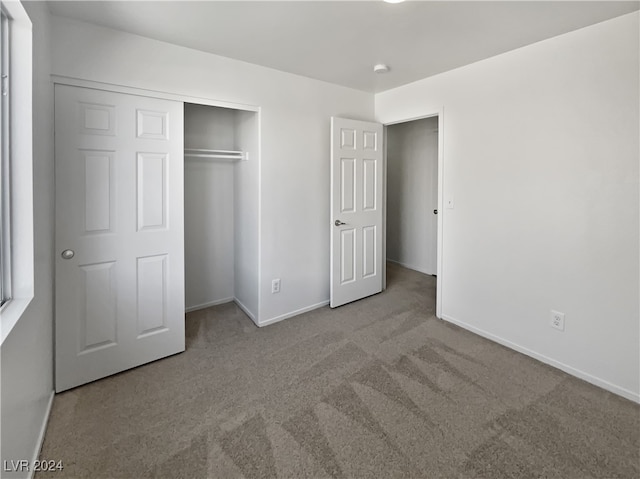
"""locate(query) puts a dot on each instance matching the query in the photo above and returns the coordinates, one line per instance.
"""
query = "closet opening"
(412, 197)
(221, 180)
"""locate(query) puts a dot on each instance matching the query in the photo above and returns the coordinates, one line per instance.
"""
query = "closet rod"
(215, 154)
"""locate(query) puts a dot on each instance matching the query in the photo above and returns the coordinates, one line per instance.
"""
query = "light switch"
(450, 203)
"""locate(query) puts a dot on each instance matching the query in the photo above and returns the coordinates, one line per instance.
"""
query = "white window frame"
(5, 184)
(20, 174)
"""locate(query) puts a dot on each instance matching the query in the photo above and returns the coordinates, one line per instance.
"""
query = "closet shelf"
(229, 155)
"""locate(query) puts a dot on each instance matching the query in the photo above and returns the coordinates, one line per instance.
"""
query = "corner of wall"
(27, 353)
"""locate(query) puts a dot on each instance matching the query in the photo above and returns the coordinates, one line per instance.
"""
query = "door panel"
(152, 294)
(369, 260)
(356, 199)
(119, 209)
(152, 197)
(348, 185)
(369, 184)
(98, 315)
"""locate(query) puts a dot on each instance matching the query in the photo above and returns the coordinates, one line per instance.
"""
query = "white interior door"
(119, 232)
(432, 184)
(357, 265)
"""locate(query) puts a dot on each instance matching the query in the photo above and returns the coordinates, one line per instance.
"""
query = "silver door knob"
(339, 223)
(68, 254)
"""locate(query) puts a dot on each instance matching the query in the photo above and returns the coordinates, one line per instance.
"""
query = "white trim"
(620, 391)
(43, 430)
(64, 80)
(293, 313)
(246, 311)
(209, 304)
(223, 301)
(440, 236)
(409, 266)
(252, 316)
(21, 167)
(11, 312)
(424, 116)
(256, 318)
(385, 170)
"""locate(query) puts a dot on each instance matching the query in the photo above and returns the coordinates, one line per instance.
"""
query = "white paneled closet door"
(119, 232)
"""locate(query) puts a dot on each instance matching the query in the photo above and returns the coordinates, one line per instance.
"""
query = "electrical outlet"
(275, 286)
(557, 320)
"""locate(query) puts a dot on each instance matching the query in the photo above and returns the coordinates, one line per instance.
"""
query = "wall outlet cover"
(557, 320)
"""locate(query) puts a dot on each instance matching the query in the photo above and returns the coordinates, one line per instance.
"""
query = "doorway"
(412, 194)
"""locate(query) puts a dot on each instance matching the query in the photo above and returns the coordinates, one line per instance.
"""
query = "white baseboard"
(208, 305)
(620, 391)
(246, 311)
(292, 313)
(43, 430)
(223, 301)
(409, 266)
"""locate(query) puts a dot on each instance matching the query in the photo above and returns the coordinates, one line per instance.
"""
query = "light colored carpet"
(377, 388)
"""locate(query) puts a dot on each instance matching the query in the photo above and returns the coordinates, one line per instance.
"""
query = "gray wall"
(293, 193)
(246, 213)
(27, 353)
(541, 158)
(208, 207)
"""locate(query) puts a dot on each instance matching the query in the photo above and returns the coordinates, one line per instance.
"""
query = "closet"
(221, 179)
(129, 169)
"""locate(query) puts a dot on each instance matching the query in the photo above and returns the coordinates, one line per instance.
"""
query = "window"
(16, 165)
(5, 234)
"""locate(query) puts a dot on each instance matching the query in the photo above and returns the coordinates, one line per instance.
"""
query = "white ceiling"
(339, 42)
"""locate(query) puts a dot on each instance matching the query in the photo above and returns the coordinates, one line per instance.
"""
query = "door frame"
(440, 221)
(113, 87)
